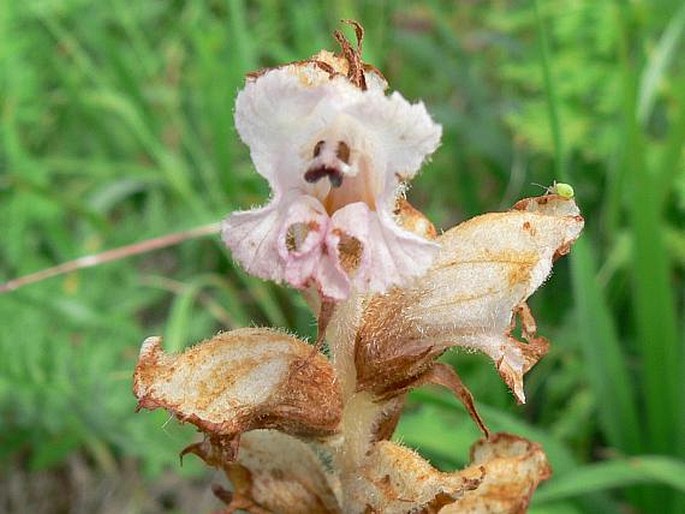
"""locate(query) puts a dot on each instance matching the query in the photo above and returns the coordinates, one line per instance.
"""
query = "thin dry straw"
(111, 255)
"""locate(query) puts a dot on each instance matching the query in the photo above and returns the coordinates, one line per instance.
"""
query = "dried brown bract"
(242, 380)
(513, 468)
(394, 479)
(471, 297)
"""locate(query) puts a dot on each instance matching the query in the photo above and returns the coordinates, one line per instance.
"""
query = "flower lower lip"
(315, 174)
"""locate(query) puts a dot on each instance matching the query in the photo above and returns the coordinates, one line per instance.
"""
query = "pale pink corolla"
(336, 153)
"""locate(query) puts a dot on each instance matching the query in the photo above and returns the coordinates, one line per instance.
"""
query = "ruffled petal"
(390, 256)
(405, 132)
(252, 236)
(282, 113)
(290, 240)
(310, 250)
(294, 241)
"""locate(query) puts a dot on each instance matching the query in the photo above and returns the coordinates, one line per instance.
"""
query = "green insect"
(559, 188)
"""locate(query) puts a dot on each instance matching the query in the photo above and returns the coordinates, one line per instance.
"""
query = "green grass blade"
(606, 367)
(653, 302)
(552, 98)
(244, 44)
(662, 57)
(607, 372)
(184, 311)
(670, 163)
(614, 474)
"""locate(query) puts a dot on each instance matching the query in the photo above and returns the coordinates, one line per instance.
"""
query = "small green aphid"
(559, 188)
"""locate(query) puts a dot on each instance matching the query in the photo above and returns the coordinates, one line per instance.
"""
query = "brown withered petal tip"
(413, 220)
(514, 467)
(348, 62)
(353, 56)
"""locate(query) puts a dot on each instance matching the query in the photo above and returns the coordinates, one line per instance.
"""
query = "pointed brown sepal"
(443, 375)
(215, 451)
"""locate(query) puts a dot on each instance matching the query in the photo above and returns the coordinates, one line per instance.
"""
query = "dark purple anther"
(315, 174)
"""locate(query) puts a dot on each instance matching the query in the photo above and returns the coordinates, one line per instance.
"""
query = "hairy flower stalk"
(298, 432)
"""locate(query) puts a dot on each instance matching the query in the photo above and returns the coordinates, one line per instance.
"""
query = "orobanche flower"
(298, 431)
(337, 153)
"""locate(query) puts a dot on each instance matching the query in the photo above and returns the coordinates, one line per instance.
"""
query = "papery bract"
(336, 156)
(396, 480)
(513, 468)
(242, 380)
(275, 473)
(486, 269)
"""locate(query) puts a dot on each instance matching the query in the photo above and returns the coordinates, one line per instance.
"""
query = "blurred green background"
(116, 126)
